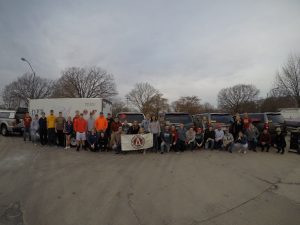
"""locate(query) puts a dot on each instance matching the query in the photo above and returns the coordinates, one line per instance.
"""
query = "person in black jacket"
(237, 126)
(209, 138)
(279, 141)
(43, 129)
(134, 129)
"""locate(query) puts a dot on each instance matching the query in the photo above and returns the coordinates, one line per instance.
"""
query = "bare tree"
(156, 105)
(237, 98)
(92, 82)
(26, 87)
(190, 104)
(287, 81)
(119, 106)
(141, 94)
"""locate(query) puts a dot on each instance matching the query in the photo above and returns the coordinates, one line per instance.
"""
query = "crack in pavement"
(270, 187)
(129, 201)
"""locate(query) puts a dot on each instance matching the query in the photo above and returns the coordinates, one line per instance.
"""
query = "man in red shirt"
(80, 127)
(27, 122)
(114, 128)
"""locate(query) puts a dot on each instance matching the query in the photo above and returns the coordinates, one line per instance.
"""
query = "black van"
(214, 119)
(176, 118)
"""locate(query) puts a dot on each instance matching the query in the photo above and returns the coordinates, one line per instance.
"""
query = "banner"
(130, 142)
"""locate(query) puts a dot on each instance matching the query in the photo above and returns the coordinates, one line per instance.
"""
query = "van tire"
(4, 130)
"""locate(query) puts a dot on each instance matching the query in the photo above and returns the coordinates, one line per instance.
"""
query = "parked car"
(214, 119)
(269, 120)
(11, 121)
(175, 118)
(130, 117)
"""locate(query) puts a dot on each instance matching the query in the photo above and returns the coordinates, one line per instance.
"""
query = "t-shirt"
(51, 121)
(60, 121)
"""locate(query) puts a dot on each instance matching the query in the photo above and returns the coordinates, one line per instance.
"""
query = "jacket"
(279, 140)
(80, 125)
(265, 138)
(43, 123)
(101, 123)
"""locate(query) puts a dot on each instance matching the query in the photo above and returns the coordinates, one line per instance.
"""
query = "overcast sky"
(180, 47)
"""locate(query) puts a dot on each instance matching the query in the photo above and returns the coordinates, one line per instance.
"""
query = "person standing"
(237, 126)
(91, 123)
(146, 124)
(252, 135)
(26, 123)
(154, 128)
(279, 141)
(80, 126)
(43, 129)
(174, 138)
(101, 124)
(51, 128)
(125, 127)
(228, 141)
(219, 134)
(166, 140)
(181, 137)
(265, 140)
(246, 121)
(190, 139)
(68, 129)
(34, 128)
(115, 128)
(135, 128)
(59, 129)
(116, 141)
(110, 120)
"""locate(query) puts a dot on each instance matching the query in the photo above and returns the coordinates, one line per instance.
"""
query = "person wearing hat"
(279, 141)
(228, 140)
(219, 134)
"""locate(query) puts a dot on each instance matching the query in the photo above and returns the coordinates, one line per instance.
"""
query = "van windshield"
(178, 118)
(131, 117)
(222, 118)
(256, 117)
(275, 118)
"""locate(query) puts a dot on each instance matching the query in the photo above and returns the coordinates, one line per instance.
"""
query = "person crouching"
(92, 140)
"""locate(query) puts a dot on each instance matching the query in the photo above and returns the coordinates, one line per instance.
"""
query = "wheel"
(4, 131)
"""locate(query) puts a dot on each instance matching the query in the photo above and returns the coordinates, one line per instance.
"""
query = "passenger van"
(214, 119)
(11, 121)
(175, 118)
(130, 117)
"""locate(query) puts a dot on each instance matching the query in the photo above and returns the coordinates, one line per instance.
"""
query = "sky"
(182, 48)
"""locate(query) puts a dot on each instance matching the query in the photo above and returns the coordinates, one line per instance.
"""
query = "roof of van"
(129, 113)
(173, 113)
(217, 113)
(6, 110)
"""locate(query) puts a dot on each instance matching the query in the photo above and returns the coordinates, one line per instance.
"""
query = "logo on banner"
(137, 141)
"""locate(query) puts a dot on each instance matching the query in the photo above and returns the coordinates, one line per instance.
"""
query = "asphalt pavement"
(53, 186)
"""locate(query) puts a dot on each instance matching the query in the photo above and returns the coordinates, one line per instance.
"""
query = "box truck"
(68, 106)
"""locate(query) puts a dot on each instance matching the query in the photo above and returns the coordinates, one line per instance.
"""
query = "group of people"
(101, 134)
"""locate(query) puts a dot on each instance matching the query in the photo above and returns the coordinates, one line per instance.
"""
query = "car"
(268, 120)
(176, 118)
(130, 117)
(214, 119)
(11, 121)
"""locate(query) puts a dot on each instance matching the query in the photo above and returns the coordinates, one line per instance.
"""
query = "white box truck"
(68, 106)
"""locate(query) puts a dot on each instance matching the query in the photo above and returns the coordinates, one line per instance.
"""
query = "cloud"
(182, 48)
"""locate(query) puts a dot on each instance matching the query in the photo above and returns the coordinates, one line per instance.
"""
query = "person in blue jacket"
(166, 140)
(92, 140)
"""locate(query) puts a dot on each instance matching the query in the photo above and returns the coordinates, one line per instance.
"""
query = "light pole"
(25, 60)
(33, 79)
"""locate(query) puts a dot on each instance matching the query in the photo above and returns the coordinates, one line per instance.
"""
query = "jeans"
(155, 142)
(252, 145)
(33, 135)
(209, 144)
(51, 136)
(191, 145)
(241, 147)
(218, 144)
(228, 147)
(43, 136)
(26, 133)
(181, 145)
(60, 137)
(164, 146)
(267, 145)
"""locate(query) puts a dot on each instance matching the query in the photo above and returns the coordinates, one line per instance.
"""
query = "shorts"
(80, 136)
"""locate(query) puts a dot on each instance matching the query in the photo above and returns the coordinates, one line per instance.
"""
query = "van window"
(178, 118)
(131, 117)
(257, 117)
(275, 118)
(222, 118)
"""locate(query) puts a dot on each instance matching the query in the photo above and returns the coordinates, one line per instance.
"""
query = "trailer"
(69, 106)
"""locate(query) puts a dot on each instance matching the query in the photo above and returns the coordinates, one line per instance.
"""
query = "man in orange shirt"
(101, 123)
(80, 126)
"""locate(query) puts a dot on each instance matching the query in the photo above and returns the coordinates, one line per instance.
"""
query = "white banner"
(130, 142)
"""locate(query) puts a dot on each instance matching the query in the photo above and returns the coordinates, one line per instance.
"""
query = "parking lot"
(49, 185)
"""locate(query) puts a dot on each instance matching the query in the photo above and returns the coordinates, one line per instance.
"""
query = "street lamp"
(25, 60)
